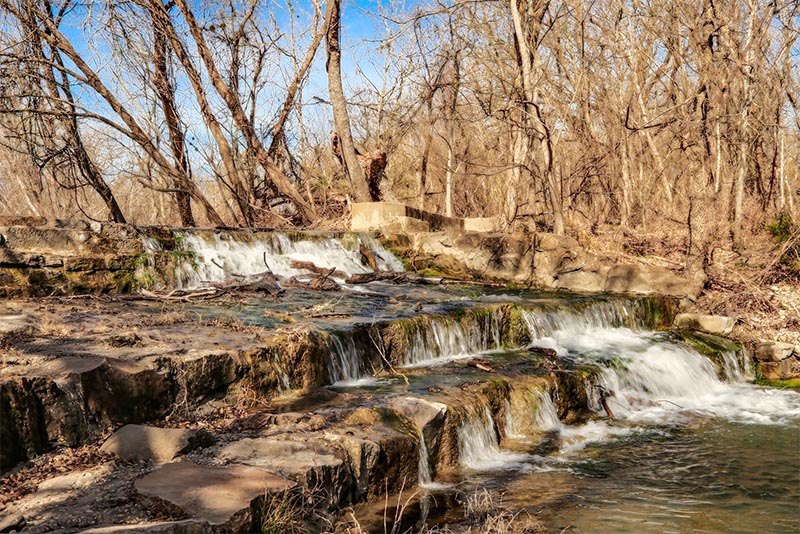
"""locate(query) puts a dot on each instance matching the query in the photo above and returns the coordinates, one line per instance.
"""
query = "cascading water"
(442, 339)
(651, 378)
(615, 313)
(676, 456)
(218, 255)
(347, 363)
(479, 447)
(545, 414)
(529, 411)
(425, 477)
(735, 366)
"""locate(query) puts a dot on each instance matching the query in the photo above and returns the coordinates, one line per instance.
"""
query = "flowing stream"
(216, 256)
(685, 452)
(680, 442)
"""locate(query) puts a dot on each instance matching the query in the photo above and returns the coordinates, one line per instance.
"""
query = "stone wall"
(540, 260)
(40, 257)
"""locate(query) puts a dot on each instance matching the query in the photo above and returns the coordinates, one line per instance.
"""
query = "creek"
(675, 441)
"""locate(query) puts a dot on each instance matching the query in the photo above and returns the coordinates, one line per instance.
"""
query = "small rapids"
(650, 378)
(443, 339)
(216, 257)
(479, 446)
(689, 442)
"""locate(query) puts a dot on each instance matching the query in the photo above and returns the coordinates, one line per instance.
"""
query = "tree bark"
(355, 173)
(166, 94)
(281, 181)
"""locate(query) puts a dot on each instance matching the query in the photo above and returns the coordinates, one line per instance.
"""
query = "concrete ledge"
(371, 216)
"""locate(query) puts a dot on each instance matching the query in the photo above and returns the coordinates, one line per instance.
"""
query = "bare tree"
(352, 166)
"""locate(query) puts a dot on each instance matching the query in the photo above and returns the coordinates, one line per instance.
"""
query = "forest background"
(661, 128)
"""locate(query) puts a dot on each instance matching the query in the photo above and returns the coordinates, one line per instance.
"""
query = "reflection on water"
(714, 477)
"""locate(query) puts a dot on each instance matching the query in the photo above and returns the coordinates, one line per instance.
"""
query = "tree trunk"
(243, 123)
(85, 164)
(166, 93)
(355, 173)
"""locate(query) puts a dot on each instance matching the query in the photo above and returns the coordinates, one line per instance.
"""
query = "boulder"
(787, 369)
(221, 496)
(426, 416)
(773, 351)
(428, 419)
(711, 324)
(382, 459)
(315, 465)
(138, 442)
(363, 455)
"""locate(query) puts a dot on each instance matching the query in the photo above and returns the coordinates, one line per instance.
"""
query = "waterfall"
(346, 366)
(736, 366)
(648, 377)
(546, 416)
(478, 445)
(425, 477)
(438, 340)
(220, 254)
(614, 313)
(529, 411)
(514, 429)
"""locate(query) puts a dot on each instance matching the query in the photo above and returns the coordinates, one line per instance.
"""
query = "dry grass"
(166, 319)
(50, 325)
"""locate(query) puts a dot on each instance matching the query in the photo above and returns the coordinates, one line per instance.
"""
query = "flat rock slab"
(165, 527)
(711, 324)
(138, 442)
(282, 456)
(15, 324)
(213, 494)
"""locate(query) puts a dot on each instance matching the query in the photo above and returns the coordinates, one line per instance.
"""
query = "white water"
(654, 379)
(479, 448)
(444, 339)
(218, 256)
(650, 380)
(735, 367)
(347, 363)
(545, 415)
(542, 324)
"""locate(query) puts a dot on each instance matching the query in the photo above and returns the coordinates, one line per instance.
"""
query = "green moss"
(515, 329)
(708, 345)
(658, 312)
(793, 383)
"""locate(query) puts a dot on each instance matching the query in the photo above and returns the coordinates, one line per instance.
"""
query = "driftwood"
(480, 363)
(365, 278)
(367, 253)
(181, 295)
(604, 395)
(309, 266)
(319, 282)
(265, 282)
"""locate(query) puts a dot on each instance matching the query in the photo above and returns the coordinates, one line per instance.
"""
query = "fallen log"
(367, 254)
(320, 282)
(365, 278)
(182, 295)
(481, 363)
(265, 282)
(309, 266)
